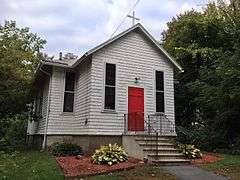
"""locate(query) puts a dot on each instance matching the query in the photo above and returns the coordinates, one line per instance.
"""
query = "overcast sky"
(78, 25)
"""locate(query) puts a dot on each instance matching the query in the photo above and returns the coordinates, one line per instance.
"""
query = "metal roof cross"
(133, 18)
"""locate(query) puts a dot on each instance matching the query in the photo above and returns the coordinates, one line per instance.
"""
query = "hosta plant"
(190, 151)
(109, 154)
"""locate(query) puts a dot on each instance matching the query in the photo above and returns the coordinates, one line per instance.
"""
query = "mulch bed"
(206, 159)
(83, 167)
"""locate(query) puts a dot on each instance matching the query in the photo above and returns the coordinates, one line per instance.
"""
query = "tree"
(207, 45)
(19, 56)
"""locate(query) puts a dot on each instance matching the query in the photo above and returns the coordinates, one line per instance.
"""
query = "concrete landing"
(190, 172)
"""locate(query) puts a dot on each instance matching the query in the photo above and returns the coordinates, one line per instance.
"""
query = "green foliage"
(13, 132)
(201, 137)
(19, 56)
(65, 149)
(190, 151)
(109, 154)
(207, 45)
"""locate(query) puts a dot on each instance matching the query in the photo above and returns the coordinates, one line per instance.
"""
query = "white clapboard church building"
(121, 91)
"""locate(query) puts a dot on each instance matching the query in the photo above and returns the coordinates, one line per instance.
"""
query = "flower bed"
(83, 167)
(206, 159)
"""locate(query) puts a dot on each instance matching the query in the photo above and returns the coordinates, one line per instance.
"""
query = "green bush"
(109, 154)
(65, 149)
(190, 151)
(13, 132)
(204, 138)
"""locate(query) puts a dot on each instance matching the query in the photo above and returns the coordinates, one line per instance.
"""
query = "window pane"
(159, 81)
(68, 102)
(69, 81)
(159, 101)
(109, 98)
(110, 74)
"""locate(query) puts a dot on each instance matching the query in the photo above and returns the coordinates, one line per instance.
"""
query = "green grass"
(140, 173)
(29, 165)
(229, 166)
(35, 165)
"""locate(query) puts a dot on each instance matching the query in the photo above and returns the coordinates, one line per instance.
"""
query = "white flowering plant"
(190, 151)
(109, 154)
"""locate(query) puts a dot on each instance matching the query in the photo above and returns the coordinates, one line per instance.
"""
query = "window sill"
(108, 111)
(159, 113)
(67, 114)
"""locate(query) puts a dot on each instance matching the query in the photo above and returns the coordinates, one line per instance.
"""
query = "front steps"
(159, 150)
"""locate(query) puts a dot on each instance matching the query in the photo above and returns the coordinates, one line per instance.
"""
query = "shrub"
(65, 149)
(190, 151)
(203, 138)
(13, 132)
(109, 154)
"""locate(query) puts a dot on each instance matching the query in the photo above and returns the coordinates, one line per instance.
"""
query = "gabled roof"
(144, 31)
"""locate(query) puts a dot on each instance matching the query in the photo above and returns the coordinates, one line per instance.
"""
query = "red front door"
(135, 109)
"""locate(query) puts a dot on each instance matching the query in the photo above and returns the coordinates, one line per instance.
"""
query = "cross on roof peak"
(133, 18)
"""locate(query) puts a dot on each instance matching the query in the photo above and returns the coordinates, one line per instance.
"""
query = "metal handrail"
(150, 128)
(150, 125)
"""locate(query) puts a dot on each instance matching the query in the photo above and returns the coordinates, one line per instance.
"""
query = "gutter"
(48, 108)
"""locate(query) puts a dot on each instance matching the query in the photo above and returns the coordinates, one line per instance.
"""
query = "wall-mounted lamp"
(137, 79)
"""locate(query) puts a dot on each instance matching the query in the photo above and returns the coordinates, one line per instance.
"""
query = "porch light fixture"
(137, 79)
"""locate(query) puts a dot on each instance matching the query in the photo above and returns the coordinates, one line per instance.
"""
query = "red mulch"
(83, 167)
(206, 159)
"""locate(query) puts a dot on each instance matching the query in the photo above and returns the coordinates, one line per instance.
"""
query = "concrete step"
(152, 157)
(160, 150)
(153, 139)
(159, 144)
(166, 155)
(166, 162)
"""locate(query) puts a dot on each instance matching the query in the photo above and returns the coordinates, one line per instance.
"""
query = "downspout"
(48, 109)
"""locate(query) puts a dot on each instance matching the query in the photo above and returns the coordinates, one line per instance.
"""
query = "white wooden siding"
(42, 122)
(70, 123)
(135, 57)
(38, 127)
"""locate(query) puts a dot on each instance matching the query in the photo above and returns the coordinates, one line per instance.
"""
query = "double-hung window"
(110, 86)
(69, 92)
(159, 78)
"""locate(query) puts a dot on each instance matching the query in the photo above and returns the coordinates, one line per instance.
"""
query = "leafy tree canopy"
(19, 55)
(207, 45)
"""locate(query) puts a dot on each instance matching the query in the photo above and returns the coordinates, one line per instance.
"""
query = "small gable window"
(159, 77)
(110, 86)
(69, 92)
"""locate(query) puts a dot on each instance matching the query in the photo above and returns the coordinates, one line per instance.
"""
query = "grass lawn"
(229, 166)
(29, 165)
(140, 173)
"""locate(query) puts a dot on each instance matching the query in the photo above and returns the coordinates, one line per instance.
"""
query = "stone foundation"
(88, 142)
(34, 141)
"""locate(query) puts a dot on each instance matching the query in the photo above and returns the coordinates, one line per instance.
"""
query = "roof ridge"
(138, 25)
